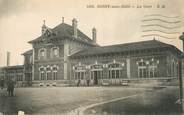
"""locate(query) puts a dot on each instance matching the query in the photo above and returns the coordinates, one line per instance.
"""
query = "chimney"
(8, 59)
(94, 34)
(63, 19)
(74, 24)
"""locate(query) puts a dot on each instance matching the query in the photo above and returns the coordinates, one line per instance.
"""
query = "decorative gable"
(46, 31)
(65, 31)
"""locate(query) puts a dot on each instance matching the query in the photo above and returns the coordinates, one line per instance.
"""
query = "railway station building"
(64, 54)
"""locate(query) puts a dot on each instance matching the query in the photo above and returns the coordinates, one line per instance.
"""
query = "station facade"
(66, 54)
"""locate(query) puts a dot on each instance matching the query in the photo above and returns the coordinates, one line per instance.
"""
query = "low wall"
(133, 82)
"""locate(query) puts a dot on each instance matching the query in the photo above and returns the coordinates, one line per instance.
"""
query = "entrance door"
(95, 77)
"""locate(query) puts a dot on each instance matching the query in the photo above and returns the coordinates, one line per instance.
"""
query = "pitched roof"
(123, 48)
(64, 30)
(28, 52)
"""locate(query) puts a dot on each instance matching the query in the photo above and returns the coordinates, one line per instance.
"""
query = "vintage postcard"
(91, 57)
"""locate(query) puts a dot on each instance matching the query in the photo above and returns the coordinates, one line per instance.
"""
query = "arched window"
(48, 73)
(42, 53)
(96, 72)
(152, 68)
(152, 72)
(42, 73)
(115, 70)
(55, 72)
(79, 71)
(142, 69)
(147, 69)
(54, 52)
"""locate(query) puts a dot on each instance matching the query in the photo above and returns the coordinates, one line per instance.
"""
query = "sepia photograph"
(91, 57)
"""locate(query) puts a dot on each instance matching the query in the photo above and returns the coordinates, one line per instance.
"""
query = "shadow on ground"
(154, 102)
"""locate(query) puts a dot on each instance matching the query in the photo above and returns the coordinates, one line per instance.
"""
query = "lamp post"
(180, 73)
(182, 39)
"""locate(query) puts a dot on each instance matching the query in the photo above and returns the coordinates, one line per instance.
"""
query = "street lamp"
(182, 39)
(180, 74)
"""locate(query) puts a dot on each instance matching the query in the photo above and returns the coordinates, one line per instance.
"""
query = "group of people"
(10, 86)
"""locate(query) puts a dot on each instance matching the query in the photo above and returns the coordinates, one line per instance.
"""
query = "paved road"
(57, 100)
(154, 102)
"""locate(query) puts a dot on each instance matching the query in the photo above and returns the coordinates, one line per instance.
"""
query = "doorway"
(95, 77)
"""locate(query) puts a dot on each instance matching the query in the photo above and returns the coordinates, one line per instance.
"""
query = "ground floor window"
(96, 75)
(49, 76)
(19, 78)
(114, 74)
(42, 76)
(54, 75)
(152, 72)
(147, 68)
(115, 70)
(80, 75)
(49, 72)
(79, 71)
(96, 72)
(142, 72)
(117, 73)
(75, 75)
(28, 76)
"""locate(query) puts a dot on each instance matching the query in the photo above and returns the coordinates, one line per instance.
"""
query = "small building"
(15, 73)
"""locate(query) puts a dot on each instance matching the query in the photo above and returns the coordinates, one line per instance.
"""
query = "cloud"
(8, 7)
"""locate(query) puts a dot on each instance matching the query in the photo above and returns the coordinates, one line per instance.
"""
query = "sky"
(21, 21)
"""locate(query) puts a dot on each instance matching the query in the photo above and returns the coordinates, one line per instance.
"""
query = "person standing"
(2, 87)
(10, 88)
(2, 83)
(88, 81)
